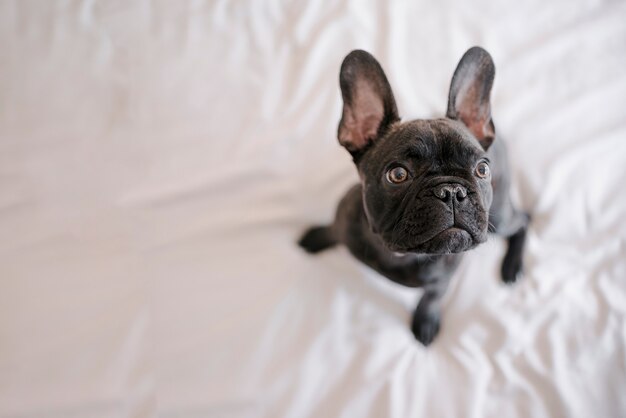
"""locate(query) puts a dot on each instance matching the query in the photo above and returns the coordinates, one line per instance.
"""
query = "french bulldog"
(430, 189)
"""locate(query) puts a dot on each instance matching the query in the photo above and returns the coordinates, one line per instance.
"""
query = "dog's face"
(426, 187)
(426, 183)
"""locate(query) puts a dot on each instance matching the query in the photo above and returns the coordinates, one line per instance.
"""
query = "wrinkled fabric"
(158, 161)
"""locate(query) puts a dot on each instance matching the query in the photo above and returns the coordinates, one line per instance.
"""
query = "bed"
(159, 160)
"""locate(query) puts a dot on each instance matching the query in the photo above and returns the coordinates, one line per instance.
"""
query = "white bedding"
(158, 161)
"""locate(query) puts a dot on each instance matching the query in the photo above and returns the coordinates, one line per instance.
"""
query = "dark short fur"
(414, 231)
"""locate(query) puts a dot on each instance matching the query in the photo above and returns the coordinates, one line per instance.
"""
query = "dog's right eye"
(482, 170)
(397, 175)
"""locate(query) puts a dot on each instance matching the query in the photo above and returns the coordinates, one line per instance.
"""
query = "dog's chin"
(449, 241)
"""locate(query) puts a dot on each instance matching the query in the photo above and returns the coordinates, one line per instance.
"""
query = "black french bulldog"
(430, 188)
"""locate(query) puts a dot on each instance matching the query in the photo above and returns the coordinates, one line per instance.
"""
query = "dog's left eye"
(397, 175)
(482, 170)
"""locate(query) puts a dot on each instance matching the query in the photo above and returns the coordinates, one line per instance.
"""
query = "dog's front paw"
(512, 264)
(425, 326)
(511, 268)
(317, 239)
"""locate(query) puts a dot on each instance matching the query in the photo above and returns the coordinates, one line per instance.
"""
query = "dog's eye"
(482, 170)
(397, 175)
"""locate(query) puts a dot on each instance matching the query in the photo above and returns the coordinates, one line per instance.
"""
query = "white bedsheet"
(158, 161)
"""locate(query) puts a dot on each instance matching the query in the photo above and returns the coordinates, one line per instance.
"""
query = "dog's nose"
(447, 192)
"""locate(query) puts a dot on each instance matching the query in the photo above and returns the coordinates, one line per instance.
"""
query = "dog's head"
(426, 183)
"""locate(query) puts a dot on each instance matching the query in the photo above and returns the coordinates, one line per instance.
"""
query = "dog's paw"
(511, 268)
(316, 239)
(512, 265)
(425, 326)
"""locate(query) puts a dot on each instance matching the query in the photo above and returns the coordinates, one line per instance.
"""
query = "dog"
(430, 189)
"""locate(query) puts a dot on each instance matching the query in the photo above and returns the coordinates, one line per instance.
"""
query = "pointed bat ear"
(470, 89)
(368, 103)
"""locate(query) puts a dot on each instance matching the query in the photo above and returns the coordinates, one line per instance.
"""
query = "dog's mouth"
(451, 240)
(454, 239)
(431, 226)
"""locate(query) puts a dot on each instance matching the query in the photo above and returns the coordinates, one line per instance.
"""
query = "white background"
(158, 161)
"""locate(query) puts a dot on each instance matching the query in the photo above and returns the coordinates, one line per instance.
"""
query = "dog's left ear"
(468, 100)
(368, 103)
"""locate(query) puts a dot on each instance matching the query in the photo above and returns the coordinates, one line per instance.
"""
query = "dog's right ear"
(368, 104)
(470, 89)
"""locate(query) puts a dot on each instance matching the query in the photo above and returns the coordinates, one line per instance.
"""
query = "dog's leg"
(512, 263)
(427, 316)
(511, 224)
(317, 238)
